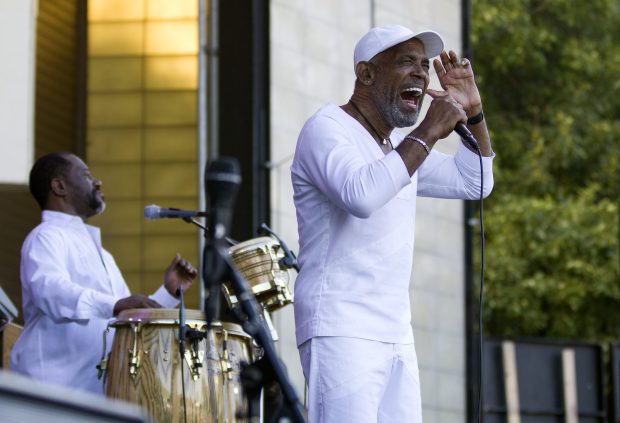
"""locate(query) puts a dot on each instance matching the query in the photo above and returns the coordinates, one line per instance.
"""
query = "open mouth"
(411, 96)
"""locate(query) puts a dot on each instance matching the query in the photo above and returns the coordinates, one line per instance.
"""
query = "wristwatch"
(476, 119)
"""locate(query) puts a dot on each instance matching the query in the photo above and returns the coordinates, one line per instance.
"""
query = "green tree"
(549, 71)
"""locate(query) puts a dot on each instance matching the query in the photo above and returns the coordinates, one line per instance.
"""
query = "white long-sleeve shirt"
(356, 218)
(70, 285)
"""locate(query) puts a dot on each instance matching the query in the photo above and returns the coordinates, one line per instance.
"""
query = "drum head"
(157, 314)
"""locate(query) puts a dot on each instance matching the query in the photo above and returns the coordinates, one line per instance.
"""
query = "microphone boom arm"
(257, 328)
(290, 259)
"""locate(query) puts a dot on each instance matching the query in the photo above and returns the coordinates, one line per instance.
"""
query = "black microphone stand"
(254, 376)
(256, 327)
(182, 332)
(230, 241)
(289, 261)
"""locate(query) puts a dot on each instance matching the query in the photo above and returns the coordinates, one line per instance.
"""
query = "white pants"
(361, 381)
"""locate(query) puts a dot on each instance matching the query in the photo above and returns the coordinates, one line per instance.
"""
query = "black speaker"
(24, 400)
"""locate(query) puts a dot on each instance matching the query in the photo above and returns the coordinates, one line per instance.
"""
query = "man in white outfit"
(71, 286)
(355, 184)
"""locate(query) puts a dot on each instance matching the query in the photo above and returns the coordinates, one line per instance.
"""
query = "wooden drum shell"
(150, 336)
(258, 260)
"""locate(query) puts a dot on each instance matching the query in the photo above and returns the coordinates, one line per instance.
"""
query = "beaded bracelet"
(419, 141)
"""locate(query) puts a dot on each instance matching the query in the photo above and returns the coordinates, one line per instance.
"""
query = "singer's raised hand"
(179, 274)
(456, 76)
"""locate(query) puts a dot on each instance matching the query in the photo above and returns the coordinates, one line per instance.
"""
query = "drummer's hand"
(135, 301)
(180, 274)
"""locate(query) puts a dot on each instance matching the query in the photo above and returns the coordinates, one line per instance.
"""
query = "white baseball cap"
(383, 37)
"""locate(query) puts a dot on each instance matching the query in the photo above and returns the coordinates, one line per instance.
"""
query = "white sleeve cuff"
(471, 159)
(163, 297)
(94, 301)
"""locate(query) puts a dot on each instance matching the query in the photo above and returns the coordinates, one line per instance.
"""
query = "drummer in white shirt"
(71, 286)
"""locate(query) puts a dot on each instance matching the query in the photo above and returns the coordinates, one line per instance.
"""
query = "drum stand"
(269, 368)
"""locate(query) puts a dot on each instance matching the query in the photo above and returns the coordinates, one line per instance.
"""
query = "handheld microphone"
(222, 180)
(466, 135)
(155, 212)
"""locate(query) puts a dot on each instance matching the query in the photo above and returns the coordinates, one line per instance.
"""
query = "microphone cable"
(481, 293)
(467, 136)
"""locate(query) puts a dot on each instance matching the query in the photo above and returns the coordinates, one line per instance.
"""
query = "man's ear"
(58, 187)
(365, 73)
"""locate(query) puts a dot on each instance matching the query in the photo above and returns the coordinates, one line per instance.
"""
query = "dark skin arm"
(134, 301)
(179, 274)
(442, 116)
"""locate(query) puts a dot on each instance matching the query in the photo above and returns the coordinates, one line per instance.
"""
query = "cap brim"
(380, 39)
(433, 43)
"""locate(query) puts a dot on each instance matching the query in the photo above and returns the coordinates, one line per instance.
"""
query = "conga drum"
(145, 366)
(258, 260)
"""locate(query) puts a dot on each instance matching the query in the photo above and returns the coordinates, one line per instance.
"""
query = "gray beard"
(100, 208)
(401, 120)
(96, 204)
(394, 116)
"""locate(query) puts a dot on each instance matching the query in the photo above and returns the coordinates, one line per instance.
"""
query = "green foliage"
(548, 71)
(553, 267)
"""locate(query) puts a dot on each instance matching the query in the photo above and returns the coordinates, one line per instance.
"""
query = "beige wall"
(311, 62)
(141, 134)
(17, 40)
